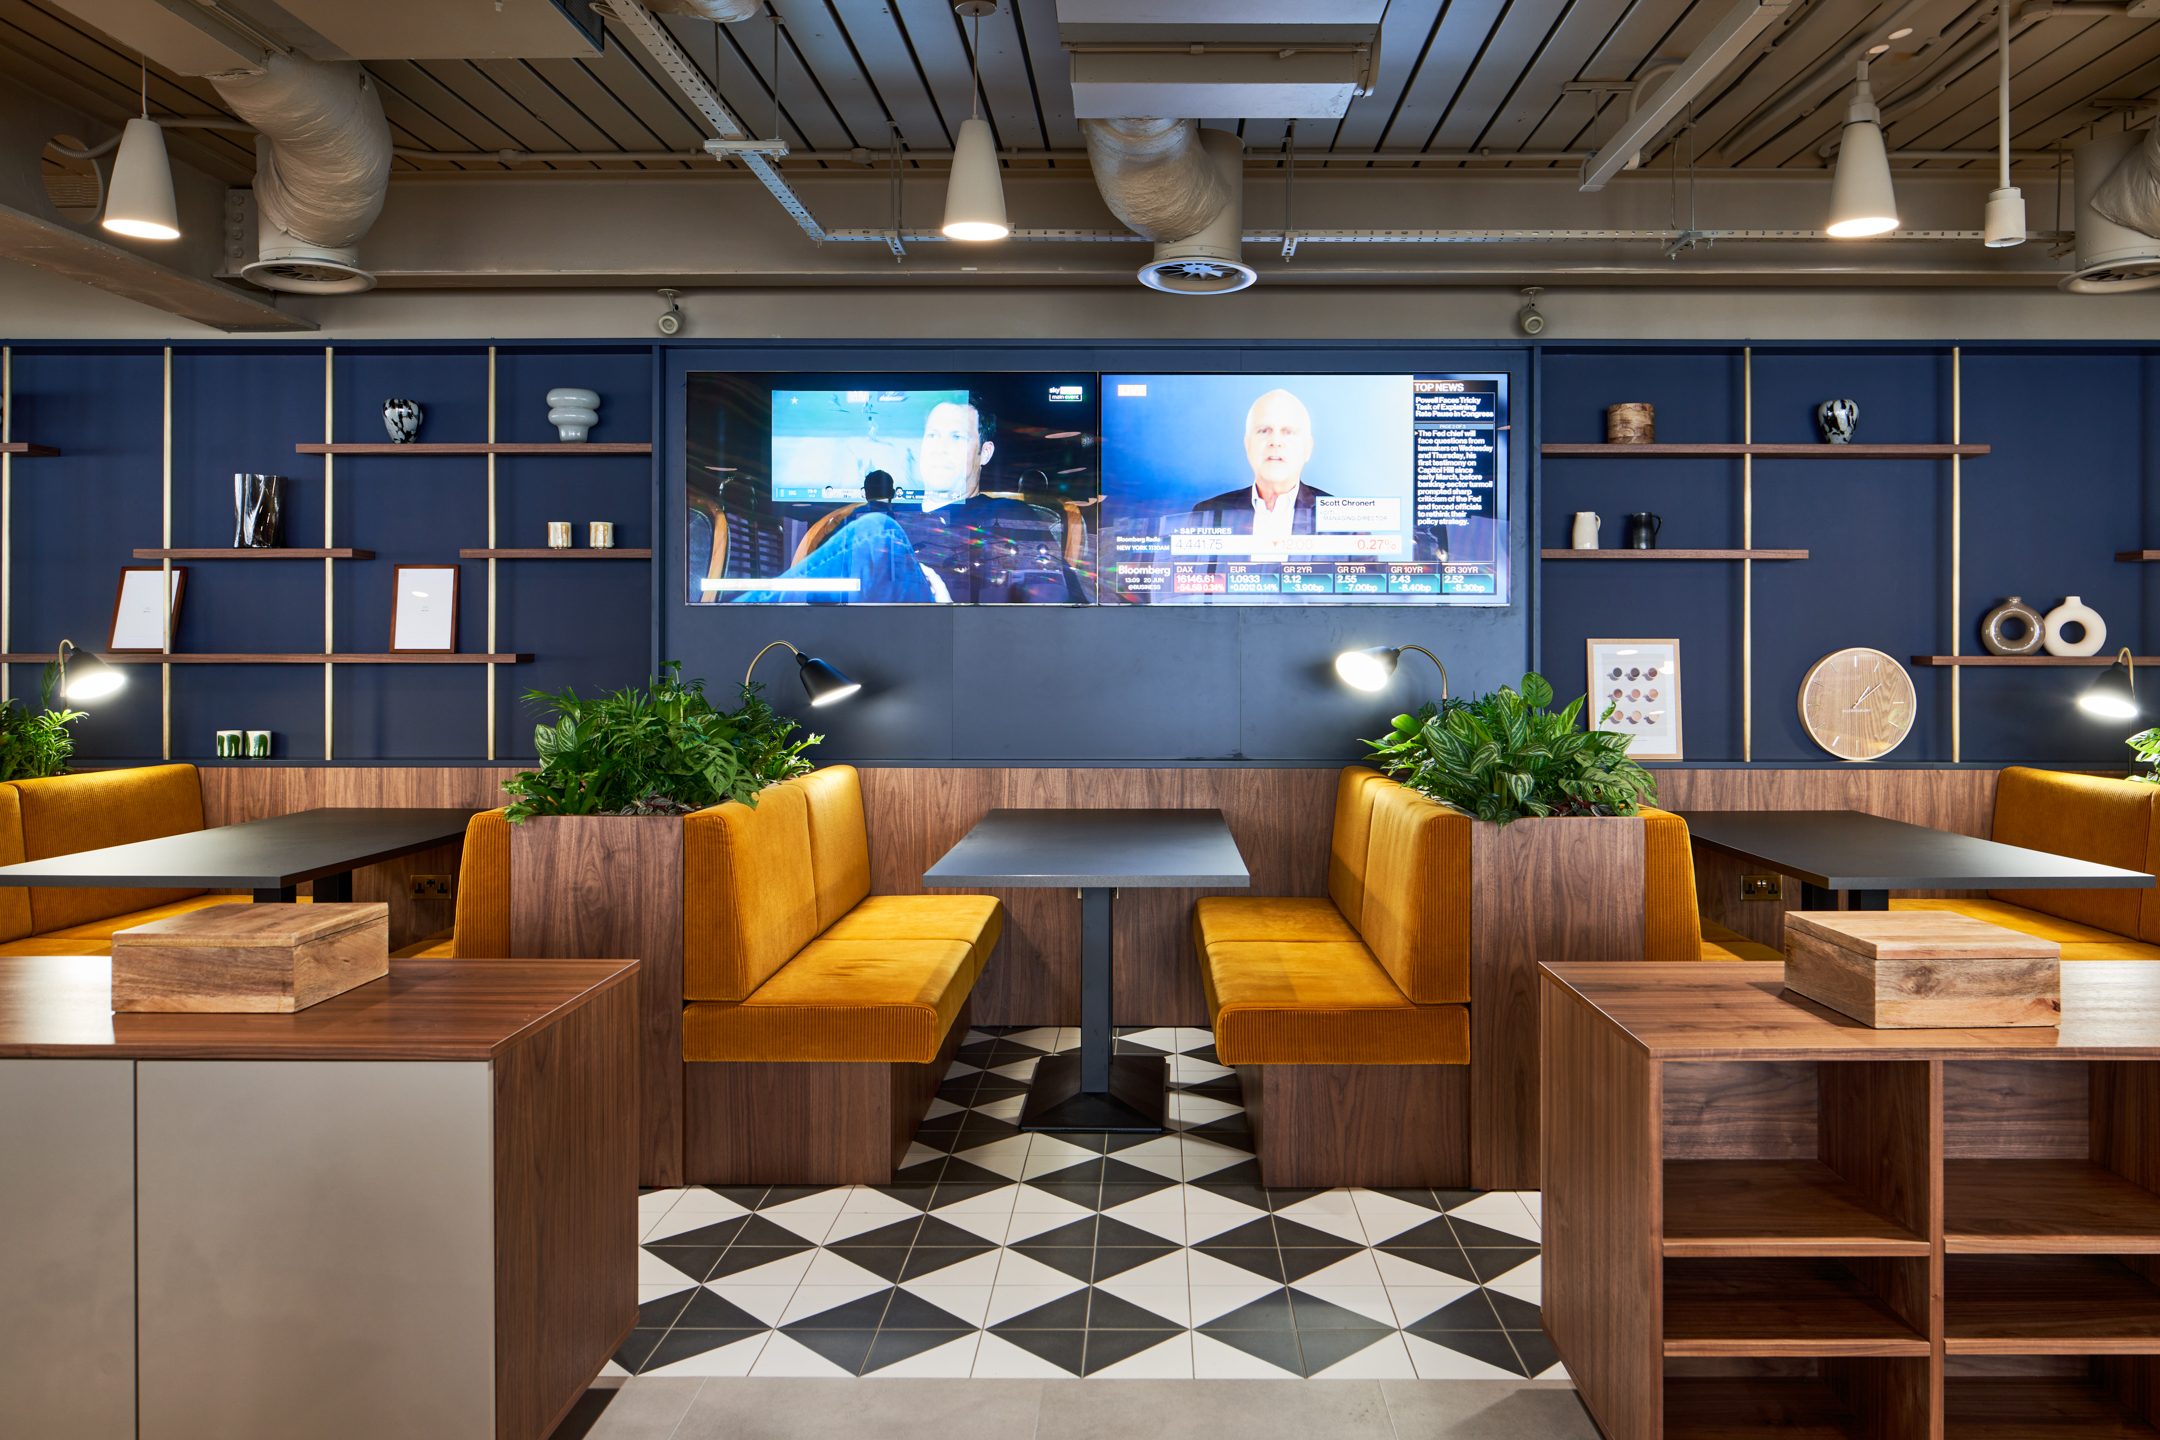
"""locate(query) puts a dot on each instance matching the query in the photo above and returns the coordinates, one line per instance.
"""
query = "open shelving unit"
(248, 553)
(2107, 659)
(23, 447)
(484, 447)
(1768, 452)
(290, 658)
(613, 553)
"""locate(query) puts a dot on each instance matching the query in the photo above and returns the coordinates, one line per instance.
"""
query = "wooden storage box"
(227, 958)
(1922, 969)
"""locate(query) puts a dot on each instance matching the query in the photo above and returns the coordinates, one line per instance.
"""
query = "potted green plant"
(1568, 886)
(596, 849)
(35, 745)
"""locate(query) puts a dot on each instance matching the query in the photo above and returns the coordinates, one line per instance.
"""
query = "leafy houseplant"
(659, 750)
(1507, 755)
(2147, 745)
(33, 746)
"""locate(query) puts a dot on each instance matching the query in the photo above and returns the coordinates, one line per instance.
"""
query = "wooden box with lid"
(264, 958)
(1922, 969)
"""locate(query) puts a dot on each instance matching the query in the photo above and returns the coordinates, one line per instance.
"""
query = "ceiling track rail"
(1447, 237)
(656, 41)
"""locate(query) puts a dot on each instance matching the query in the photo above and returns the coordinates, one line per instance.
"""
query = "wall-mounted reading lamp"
(820, 681)
(85, 677)
(2114, 695)
(1370, 669)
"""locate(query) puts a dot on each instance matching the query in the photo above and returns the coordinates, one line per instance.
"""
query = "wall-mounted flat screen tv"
(1299, 489)
(918, 488)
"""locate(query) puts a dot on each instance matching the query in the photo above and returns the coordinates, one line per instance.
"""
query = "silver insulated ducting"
(322, 168)
(1182, 187)
(2112, 259)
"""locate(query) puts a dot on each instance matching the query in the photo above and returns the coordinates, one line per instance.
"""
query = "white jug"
(1586, 530)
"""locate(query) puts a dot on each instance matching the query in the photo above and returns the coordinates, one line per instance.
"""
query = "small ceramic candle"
(558, 534)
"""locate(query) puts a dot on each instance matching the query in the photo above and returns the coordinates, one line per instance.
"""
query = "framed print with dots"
(1635, 691)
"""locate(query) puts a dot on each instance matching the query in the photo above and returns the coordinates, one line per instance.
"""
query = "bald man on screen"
(1278, 443)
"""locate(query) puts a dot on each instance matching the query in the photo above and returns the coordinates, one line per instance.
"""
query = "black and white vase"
(258, 512)
(402, 419)
(1838, 419)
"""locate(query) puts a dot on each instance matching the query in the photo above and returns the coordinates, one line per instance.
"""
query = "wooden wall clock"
(1857, 703)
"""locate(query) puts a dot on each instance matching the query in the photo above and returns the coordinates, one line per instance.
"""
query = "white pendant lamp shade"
(2005, 223)
(1861, 199)
(140, 199)
(975, 194)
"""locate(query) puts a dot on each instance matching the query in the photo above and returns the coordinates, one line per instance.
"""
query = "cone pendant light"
(140, 201)
(975, 191)
(1862, 201)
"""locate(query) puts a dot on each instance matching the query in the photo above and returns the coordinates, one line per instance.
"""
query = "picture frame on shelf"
(138, 625)
(1639, 681)
(424, 610)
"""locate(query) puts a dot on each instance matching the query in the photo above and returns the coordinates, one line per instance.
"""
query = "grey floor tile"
(759, 1409)
(1487, 1410)
(1213, 1409)
(645, 1409)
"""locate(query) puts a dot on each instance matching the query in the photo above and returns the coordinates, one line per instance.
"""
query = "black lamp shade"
(821, 682)
(85, 677)
(2114, 695)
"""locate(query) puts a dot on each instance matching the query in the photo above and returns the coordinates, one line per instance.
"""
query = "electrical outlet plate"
(430, 887)
(1762, 887)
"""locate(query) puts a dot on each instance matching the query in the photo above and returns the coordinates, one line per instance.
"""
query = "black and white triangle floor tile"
(1003, 1254)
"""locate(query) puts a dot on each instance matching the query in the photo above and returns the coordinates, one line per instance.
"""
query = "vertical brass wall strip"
(7, 514)
(490, 666)
(329, 540)
(1957, 550)
(165, 566)
(1747, 566)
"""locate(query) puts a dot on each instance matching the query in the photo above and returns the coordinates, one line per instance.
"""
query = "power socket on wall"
(1762, 887)
(431, 887)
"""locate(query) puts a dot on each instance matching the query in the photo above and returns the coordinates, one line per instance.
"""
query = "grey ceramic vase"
(1838, 419)
(2011, 614)
(258, 512)
(402, 419)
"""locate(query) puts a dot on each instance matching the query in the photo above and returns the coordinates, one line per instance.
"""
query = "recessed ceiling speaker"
(2111, 259)
(1210, 262)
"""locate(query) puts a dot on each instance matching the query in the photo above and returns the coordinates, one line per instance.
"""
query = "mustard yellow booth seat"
(67, 814)
(820, 1018)
(2087, 817)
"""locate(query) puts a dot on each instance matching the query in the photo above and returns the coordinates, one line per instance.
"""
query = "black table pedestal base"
(1815, 897)
(1135, 1102)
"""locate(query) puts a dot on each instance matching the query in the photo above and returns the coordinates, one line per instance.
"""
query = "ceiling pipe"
(1950, 69)
(1812, 90)
(1724, 44)
(2004, 219)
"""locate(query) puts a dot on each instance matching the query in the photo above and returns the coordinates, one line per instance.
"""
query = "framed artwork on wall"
(423, 618)
(1635, 691)
(138, 624)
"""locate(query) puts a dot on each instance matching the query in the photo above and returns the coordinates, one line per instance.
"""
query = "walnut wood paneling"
(1377, 1125)
(1540, 891)
(232, 794)
(1735, 1110)
(2011, 1108)
(610, 887)
(565, 1209)
(808, 1122)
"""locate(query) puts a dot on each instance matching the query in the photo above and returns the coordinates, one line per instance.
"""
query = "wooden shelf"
(1777, 452)
(244, 553)
(294, 659)
(2028, 1206)
(1722, 1409)
(550, 554)
(20, 447)
(482, 447)
(2048, 1305)
(1779, 1307)
(1633, 554)
(2028, 659)
(2137, 555)
(2038, 1407)
(1773, 1207)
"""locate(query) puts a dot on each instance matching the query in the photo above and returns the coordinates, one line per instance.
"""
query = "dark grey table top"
(1093, 849)
(1848, 850)
(256, 855)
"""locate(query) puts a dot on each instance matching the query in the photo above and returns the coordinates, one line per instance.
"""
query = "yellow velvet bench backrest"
(483, 889)
(14, 899)
(1399, 871)
(759, 883)
(67, 814)
(2087, 817)
(1672, 921)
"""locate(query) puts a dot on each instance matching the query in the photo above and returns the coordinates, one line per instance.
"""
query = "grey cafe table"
(1867, 856)
(269, 857)
(1098, 853)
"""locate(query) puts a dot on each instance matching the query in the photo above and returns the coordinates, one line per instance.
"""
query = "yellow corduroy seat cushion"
(1311, 1002)
(849, 1000)
(2024, 920)
(2088, 817)
(95, 937)
(14, 899)
(1721, 943)
(67, 814)
(1228, 919)
(976, 919)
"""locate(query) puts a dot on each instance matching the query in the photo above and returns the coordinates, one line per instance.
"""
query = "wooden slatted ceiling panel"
(1454, 75)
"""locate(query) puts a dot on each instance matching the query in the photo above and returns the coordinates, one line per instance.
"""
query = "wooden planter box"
(1541, 891)
(610, 887)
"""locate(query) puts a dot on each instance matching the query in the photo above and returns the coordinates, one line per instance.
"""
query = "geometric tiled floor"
(1002, 1254)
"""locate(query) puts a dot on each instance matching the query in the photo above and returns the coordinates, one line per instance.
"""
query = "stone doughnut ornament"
(2013, 613)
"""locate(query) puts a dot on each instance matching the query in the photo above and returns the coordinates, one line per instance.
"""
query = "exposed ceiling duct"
(1155, 175)
(322, 168)
(2112, 259)
(1210, 261)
